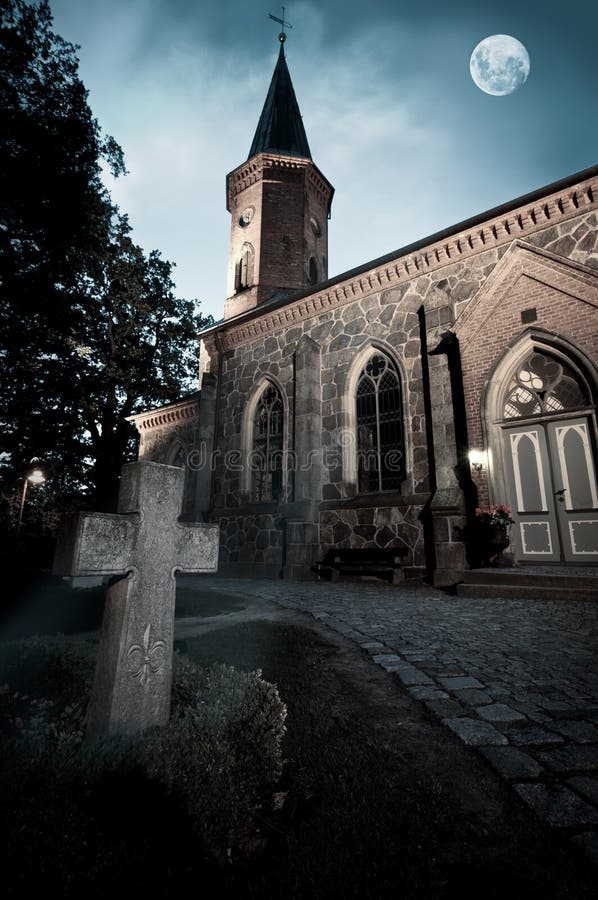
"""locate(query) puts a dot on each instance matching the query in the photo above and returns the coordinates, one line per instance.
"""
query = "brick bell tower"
(279, 203)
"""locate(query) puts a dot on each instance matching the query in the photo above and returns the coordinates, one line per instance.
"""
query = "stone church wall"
(182, 435)
(283, 537)
(386, 319)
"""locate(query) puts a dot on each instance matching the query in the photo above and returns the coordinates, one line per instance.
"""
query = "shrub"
(208, 768)
(45, 683)
(222, 748)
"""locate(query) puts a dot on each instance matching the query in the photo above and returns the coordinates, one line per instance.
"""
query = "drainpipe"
(426, 513)
(449, 345)
(216, 423)
(294, 430)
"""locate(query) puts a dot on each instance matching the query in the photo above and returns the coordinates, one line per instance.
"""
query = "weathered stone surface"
(570, 758)
(473, 697)
(557, 805)
(530, 735)
(563, 246)
(581, 732)
(512, 763)
(446, 709)
(586, 785)
(547, 236)
(499, 712)
(475, 733)
(386, 659)
(133, 675)
(453, 683)
(410, 675)
(426, 692)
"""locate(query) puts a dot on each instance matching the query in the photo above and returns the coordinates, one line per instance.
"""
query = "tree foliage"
(90, 327)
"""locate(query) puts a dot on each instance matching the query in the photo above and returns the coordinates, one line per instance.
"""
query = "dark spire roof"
(280, 128)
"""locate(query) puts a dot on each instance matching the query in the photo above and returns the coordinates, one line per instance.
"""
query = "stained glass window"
(543, 385)
(380, 441)
(267, 450)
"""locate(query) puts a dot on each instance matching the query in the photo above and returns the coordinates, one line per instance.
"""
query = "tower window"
(244, 268)
(315, 226)
(312, 271)
(267, 446)
(380, 441)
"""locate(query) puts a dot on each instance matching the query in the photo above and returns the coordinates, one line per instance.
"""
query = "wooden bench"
(363, 561)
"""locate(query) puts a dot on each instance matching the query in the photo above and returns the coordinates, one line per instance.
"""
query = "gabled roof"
(280, 128)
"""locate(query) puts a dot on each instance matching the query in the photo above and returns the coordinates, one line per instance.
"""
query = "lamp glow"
(476, 459)
(34, 476)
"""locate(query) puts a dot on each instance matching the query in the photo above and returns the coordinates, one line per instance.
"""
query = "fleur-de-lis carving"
(147, 658)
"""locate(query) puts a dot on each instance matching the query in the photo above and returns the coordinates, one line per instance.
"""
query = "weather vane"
(282, 36)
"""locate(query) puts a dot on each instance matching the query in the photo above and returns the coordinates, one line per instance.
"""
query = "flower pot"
(485, 542)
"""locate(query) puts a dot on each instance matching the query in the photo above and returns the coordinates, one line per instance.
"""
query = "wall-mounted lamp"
(477, 459)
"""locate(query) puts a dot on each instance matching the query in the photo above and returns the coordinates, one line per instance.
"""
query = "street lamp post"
(34, 476)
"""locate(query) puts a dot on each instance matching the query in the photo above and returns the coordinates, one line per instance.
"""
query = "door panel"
(575, 480)
(535, 532)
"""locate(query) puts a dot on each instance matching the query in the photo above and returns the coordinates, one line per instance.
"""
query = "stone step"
(538, 591)
(519, 577)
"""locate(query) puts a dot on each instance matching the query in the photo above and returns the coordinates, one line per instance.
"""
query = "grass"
(40, 603)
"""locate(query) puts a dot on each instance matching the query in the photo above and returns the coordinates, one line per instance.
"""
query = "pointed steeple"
(279, 203)
(280, 128)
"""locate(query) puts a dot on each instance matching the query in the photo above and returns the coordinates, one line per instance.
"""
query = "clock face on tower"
(246, 216)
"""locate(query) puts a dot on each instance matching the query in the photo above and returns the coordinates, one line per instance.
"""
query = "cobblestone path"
(516, 679)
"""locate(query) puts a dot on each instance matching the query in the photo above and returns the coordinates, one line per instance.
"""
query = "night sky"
(392, 115)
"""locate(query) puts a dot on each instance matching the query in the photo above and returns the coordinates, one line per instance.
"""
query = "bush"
(45, 683)
(222, 748)
(91, 808)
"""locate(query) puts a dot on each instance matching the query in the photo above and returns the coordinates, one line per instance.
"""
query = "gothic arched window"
(379, 420)
(543, 385)
(312, 273)
(244, 268)
(267, 446)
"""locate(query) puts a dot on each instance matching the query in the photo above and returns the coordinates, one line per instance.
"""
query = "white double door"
(554, 498)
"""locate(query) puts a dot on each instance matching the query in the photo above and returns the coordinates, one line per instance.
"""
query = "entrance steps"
(533, 584)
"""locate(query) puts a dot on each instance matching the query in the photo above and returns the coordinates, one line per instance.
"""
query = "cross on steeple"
(282, 36)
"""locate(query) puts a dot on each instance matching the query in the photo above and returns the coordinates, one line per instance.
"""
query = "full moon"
(499, 64)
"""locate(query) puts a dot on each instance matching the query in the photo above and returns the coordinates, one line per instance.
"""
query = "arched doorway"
(546, 417)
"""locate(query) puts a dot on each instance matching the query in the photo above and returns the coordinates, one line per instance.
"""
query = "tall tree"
(134, 346)
(89, 326)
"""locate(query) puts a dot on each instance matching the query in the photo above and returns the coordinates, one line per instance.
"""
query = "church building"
(380, 408)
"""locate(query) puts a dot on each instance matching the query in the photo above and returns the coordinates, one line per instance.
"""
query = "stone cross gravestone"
(146, 544)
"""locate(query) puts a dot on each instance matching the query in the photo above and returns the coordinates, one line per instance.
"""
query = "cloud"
(392, 116)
